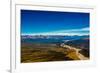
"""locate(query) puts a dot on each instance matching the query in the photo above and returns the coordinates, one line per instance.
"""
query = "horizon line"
(58, 34)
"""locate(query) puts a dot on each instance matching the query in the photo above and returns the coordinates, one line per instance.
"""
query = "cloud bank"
(70, 32)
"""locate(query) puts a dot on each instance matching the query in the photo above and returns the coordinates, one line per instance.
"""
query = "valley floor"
(50, 52)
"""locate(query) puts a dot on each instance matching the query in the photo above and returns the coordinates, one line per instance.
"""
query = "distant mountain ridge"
(50, 38)
(53, 36)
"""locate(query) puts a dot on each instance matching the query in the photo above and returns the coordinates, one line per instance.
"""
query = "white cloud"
(85, 29)
(65, 32)
(74, 30)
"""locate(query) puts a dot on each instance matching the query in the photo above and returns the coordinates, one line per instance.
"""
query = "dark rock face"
(85, 52)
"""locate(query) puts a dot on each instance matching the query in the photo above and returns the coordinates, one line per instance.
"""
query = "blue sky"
(52, 23)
